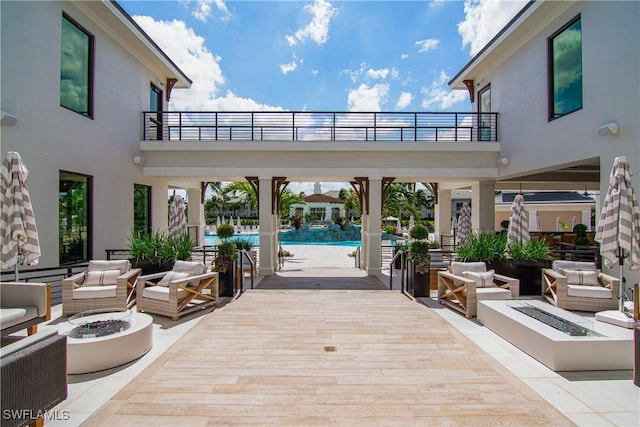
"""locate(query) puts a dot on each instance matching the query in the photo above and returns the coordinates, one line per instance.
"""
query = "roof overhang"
(524, 26)
(113, 19)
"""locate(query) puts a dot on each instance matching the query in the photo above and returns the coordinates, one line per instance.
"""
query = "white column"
(195, 215)
(483, 206)
(374, 225)
(443, 214)
(159, 203)
(532, 220)
(268, 244)
(364, 241)
(586, 218)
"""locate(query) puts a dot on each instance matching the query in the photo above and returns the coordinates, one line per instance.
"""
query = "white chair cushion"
(91, 292)
(588, 291)
(458, 268)
(192, 267)
(161, 293)
(10, 316)
(560, 265)
(172, 275)
(490, 294)
(582, 277)
(122, 265)
(483, 280)
(101, 277)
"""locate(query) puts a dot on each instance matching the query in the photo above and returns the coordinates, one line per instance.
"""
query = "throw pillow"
(172, 275)
(101, 277)
(582, 277)
(482, 279)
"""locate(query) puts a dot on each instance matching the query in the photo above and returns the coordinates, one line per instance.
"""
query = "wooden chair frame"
(451, 291)
(555, 291)
(176, 307)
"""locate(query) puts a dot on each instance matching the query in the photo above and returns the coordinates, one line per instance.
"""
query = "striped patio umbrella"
(177, 217)
(464, 223)
(20, 244)
(619, 225)
(518, 226)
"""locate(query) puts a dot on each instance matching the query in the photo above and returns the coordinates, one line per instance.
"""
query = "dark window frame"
(89, 219)
(550, 70)
(149, 210)
(483, 135)
(91, 70)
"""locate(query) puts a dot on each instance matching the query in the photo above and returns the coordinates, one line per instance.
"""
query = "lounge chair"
(105, 285)
(466, 283)
(183, 290)
(579, 286)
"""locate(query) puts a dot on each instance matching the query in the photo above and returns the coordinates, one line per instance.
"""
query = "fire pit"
(103, 339)
(99, 323)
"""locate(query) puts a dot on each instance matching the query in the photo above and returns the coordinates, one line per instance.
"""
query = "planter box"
(227, 281)
(528, 272)
(418, 284)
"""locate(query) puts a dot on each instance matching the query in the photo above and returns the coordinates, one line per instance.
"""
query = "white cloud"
(190, 54)
(291, 66)
(318, 29)
(440, 96)
(366, 98)
(427, 45)
(484, 18)
(315, 72)
(202, 10)
(436, 3)
(404, 100)
(377, 74)
(404, 56)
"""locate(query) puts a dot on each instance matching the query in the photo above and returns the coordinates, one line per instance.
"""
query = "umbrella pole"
(622, 281)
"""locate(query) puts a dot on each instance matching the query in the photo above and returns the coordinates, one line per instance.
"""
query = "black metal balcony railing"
(319, 126)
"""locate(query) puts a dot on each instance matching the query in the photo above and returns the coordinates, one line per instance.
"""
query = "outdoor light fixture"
(138, 160)
(504, 161)
(608, 129)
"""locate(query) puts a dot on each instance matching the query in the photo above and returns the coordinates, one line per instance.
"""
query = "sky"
(321, 55)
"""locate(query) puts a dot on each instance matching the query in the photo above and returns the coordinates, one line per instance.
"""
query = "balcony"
(320, 126)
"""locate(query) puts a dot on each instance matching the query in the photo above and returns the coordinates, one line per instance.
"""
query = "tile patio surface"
(261, 359)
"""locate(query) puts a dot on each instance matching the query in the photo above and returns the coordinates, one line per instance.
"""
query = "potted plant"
(246, 244)
(148, 251)
(399, 245)
(182, 247)
(224, 262)
(419, 260)
(523, 261)
(581, 235)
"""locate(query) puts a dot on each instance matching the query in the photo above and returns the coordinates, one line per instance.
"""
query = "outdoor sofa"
(580, 286)
(34, 376)
(23, 305)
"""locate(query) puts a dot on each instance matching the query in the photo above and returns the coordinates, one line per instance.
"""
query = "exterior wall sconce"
(503, 161)
(138, 160)
(608, 129)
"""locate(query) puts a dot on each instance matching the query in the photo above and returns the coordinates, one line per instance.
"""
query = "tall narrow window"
(565, 70)
(141, 209)
(155, 106)
(74, 213)
(76, 68)
(484, 106)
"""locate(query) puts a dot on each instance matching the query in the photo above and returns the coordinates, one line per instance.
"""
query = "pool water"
(212, 240)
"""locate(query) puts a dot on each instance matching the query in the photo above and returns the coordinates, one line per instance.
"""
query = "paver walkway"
(266, 358)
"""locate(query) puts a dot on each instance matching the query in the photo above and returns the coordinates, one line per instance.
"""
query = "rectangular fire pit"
(561, 340)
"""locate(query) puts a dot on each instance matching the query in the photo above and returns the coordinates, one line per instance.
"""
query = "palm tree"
(287, 199)
(350, 199)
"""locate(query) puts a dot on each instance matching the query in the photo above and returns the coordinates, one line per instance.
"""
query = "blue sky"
(321, 54)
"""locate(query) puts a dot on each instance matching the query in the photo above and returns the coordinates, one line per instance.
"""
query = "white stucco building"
(80, 129)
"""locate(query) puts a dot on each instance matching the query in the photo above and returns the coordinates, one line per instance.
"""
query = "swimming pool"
(213, 240)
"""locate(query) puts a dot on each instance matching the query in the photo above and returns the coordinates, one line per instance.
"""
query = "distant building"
(323, 207)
